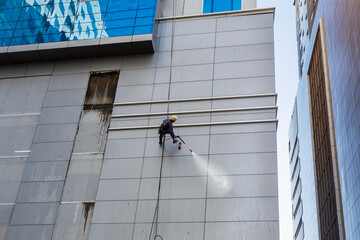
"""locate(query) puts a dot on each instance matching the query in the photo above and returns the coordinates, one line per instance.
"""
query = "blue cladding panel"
(41, 21)
(211, 6)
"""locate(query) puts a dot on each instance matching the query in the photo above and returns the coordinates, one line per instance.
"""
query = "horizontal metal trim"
(76, 202)
(221, 14)
(197, 124)
(20, 115)
(7, 204)
(194, 112)
(197, 99)
(14, 156)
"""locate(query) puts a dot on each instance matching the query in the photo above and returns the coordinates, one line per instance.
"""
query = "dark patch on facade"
(87, 207)
(101, 90)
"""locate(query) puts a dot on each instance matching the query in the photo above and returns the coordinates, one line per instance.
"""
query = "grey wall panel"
(106, 63)
(247, 230)
(242, 186)
(82, 178)
(195, 27)
(125, 148)
(111, 231)
(5, 217)
(37, 232)
(165, 29)
(40, 192)
(240, 209)
(60, 151)
(92, 131)
(164, 44)
(34, 213)
(245, 102)
(184, 187)
(125, 189)
(184, 166)
(139, 61)
(141, 133)
(5, 214)
(161, 92)
(59, 115)
(135, 77)
(244, 128)
(245, 116)
(184, 119)
(195, 41)
(191, 89)
(45, 171)
(23, 95)
(17, 70)
(193, 7)
(244, 53)
(190, 57)
(11, 171)
(259, 163)
(189, 210)
(145, 211)
(151, 167)
(16, 134)
(174, 231)
(193, 130)
(64, 98)
(260, 68)
(243, 143)
(69, 81)
(55, 133)
(162, 75)
(249, 4)
(114, 212)
(164, 59)
(73, 221)
(41, 68)
(244, 86)
(73, 66)
(121, 168)
(198, 144)
(251, 36)
(245, 22)
(192, 73)
(130, 109)
(188, 106)
(149, 189)
(134, 93)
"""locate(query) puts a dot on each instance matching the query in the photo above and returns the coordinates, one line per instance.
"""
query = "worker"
(167, 127)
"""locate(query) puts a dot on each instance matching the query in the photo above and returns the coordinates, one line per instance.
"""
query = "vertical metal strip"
(332, 133)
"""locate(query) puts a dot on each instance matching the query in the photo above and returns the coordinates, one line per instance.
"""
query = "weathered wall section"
(64, 190)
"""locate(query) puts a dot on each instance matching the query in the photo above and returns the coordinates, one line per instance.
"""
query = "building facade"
(84, 86)
(327, 116)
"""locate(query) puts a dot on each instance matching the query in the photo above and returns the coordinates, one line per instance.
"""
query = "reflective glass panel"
(41, 21)
(211, 6)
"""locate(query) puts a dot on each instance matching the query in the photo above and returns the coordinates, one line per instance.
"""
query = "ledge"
(112, 46)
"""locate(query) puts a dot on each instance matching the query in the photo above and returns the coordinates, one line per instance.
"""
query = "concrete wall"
(57, 189)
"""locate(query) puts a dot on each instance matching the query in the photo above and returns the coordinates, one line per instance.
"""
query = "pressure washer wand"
(184, 143)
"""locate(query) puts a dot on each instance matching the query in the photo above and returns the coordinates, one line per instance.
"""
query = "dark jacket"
(167, 127)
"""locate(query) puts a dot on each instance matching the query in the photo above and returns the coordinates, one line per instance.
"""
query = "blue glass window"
(211, 6)
(41, 21)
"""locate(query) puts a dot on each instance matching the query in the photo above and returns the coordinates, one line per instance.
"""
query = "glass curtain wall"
(211, 6)
(41, 21)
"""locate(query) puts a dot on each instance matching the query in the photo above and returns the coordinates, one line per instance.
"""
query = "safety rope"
(155, 221)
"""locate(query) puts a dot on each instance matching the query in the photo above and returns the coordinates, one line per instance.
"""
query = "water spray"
(183, 143)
